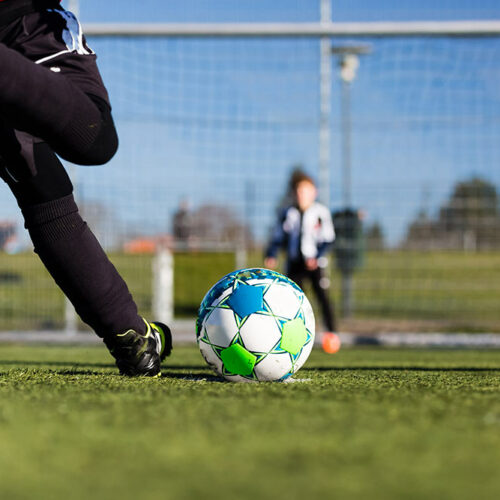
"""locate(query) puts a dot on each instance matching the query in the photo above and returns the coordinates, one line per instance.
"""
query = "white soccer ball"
(255, 325)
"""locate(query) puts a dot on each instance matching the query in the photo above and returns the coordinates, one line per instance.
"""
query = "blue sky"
(283, 10)
(212, 120)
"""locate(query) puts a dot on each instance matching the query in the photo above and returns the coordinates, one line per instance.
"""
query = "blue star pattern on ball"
(234, 279)
(246, 300)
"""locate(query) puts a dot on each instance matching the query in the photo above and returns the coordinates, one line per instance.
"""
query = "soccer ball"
(255, 325)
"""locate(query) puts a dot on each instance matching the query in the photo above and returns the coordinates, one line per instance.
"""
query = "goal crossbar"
(319, 29)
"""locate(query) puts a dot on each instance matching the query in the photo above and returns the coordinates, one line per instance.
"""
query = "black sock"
(80, 267)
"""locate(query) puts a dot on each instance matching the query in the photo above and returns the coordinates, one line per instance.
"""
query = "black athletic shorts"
(52, 37)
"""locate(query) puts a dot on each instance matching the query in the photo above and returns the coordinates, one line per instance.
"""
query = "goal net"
(211, 127)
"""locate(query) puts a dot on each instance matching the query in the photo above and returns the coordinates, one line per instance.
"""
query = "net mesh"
(210, 129)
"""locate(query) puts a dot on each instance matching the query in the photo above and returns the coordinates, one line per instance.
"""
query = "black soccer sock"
(48, 105)
(80, 267)
(321, 291)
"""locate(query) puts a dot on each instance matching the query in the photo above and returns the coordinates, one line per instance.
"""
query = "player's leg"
(53, 90)
(330, 341)
(321, 287)
(74, 257)
(66, 103)
(296, 271)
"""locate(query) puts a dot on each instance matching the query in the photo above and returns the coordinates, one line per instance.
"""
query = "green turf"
(431, 285)
(365, 423)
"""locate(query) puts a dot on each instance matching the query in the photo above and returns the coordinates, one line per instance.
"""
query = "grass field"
(457, 291)
(365, 423)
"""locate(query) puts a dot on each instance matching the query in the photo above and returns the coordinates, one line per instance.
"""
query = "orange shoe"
(330, 342)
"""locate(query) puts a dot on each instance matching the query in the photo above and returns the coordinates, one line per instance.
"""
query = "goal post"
(472, 28)
(163, 286)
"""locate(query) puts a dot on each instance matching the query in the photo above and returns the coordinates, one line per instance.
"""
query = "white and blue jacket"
(304, 235)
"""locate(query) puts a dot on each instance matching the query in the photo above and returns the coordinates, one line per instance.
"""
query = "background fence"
(211, 128)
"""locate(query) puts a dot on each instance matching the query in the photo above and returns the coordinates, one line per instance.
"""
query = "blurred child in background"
(305, 230)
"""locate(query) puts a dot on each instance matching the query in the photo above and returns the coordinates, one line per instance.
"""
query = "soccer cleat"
(141, 354)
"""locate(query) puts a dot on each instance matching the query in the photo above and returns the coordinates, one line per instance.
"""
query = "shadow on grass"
(67, 372)
(401, 368)
(199, 371)
(91, 365)
(72, 372)
(194, 372)
(192, 376)
(22, 363)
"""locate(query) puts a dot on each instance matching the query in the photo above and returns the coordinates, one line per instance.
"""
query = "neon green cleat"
(141, 354)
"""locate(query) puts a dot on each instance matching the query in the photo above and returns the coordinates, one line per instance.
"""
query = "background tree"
(374, 237)
(470, 220)
(216, 224)
(472, 204)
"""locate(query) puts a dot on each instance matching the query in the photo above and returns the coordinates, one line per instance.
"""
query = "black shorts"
(51, 37)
